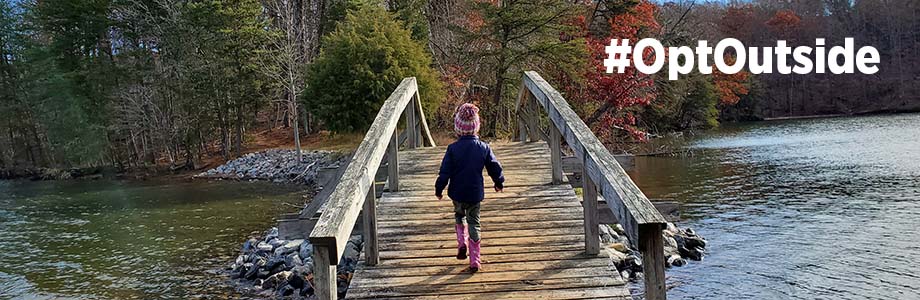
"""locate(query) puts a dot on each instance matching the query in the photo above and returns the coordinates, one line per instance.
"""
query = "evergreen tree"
(360, 65)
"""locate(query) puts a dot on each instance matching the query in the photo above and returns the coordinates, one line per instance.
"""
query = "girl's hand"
(440, 197)
(498, 189)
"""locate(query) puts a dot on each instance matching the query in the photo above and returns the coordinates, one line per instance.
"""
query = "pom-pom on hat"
(466, 120)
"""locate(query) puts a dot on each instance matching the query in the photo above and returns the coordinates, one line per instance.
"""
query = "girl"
(462, 169)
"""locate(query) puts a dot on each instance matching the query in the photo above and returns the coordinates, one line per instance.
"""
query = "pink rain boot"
(475, 263)
(461, 241)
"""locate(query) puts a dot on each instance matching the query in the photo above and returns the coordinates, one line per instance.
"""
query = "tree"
(515, 35)
(361, 63)
(605, 100)
(285, 60)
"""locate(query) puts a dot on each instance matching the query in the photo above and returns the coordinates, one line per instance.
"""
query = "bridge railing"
(602, 173)
(355, 192)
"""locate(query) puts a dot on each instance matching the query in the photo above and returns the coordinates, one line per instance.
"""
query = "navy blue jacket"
(462, 168)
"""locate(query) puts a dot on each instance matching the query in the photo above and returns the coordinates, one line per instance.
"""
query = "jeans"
(470, 211)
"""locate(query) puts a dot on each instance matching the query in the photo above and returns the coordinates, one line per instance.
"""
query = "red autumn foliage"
(606, 98)
(730, 86)
(784, 22)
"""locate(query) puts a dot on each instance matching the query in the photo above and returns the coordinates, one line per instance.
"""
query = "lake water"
(120, 240)
(803, 209)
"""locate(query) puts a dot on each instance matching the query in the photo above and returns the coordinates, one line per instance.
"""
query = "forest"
(167, 83)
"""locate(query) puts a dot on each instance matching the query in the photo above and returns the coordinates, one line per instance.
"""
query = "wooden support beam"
(651, 245)
(324, 275)
(555, 147)
(424, 131)
(393, 163)
(589, 203)
(371, 249)
(533, 119)
(418, 122)
(519, 111)
(411, 127)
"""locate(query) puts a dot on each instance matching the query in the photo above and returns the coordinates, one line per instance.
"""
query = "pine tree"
(361, 63)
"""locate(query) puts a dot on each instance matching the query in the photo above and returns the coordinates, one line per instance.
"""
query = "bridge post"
(522, 128)
(533, 118)
(324, 275)
(555, 147)
(589, 202)
(411, 128)
(393, 162)
(371, 254)
(651, 245)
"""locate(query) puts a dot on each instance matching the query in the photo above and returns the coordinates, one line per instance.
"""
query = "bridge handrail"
(638, 216)
(354, 191)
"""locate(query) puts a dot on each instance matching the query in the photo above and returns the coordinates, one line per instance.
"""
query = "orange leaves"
(632, 25)
(730, 86)
(784, 22)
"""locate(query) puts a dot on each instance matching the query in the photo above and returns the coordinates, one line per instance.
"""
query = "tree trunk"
(238, 141)
(296, 127)
(497, 99)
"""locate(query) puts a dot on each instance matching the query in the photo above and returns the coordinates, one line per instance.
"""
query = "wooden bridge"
(540, 240)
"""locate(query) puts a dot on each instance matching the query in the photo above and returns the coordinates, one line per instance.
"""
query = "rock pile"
(283, 269)
(679, 245)
(276, 165)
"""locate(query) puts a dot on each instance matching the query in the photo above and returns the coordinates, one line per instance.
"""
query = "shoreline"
(841, 115)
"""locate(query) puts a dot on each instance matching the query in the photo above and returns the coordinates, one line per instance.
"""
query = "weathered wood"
(549, 265)
(424, 131)
(486, 251)
(397, 231)
(522, 128)
(650, 244)
(411, 126)
(324, 273)
(490, 276)
(533, 242)
(393, 163)
(533, 119)
(487, 282)
(572, 164)
(589, 202)
(492, 259)
(504, 204)
(631, 205)
(506, 286)
(493, 242)
(555, 148)
(371, 254)
(543, 214)
(347, 199)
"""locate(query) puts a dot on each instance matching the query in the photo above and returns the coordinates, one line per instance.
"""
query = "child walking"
(461, 173)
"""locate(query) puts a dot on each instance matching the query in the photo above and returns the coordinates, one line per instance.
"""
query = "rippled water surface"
(119, 240)
(804, 209)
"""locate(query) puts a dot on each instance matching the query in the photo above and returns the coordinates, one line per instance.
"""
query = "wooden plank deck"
(533, 238)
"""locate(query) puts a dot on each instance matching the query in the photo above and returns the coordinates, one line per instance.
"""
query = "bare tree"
(287, 57)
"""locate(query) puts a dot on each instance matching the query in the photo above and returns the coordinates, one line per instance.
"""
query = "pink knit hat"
(466, 120)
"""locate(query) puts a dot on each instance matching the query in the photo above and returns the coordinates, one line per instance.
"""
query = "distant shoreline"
(856, 114)
(807, 117)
